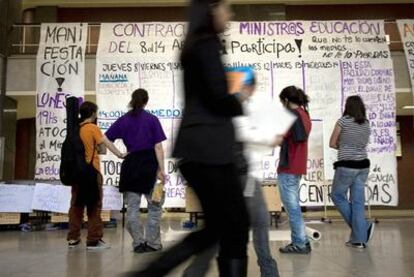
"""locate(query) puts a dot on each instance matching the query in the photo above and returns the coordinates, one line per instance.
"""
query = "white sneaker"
(100, 244)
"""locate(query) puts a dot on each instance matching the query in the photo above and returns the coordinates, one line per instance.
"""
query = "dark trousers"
(95, 225)
(226, 219)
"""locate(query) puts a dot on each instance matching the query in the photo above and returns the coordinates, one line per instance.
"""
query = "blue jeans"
(259, 218)
(353, 209)
(289, 194)
(135, 228)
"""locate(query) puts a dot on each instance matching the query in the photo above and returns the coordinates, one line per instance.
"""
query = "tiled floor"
(45, 254)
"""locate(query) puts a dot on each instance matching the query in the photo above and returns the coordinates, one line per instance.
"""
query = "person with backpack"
(292, 165)
(87, 185)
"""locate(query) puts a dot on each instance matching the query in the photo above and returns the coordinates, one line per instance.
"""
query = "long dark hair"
(86, 110)
(139, 99)
(200, 23)
(354, 107)
(295, 95)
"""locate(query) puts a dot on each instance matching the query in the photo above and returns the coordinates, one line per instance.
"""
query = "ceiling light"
(408, 108)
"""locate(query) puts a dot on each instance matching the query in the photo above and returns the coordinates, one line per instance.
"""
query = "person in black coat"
(204, 147)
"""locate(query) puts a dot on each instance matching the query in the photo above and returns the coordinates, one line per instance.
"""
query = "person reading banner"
(292, 165)
(89, 193)
(142, 134)
(351, 137)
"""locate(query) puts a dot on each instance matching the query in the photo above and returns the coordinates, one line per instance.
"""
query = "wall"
(406, 163)
(23, 68)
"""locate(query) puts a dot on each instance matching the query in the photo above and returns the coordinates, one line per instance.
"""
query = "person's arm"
(159, 152)
(101, 149)
(216, 97)
(111, 146)
(334, 141)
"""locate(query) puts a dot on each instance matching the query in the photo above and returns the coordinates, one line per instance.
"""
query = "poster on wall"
(406, 28)
(60, 71)
(330, 60)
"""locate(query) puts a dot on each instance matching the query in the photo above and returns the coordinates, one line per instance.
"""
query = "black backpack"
(74, 170)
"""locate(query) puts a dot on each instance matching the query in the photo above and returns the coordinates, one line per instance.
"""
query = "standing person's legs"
(359, 223)
(152, 230)
(133, 221)
(259, 218)
(75, 217)
(289, 192)
(342, 182)
(95, 225)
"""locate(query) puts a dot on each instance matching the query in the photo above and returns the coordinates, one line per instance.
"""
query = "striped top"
(353, 139)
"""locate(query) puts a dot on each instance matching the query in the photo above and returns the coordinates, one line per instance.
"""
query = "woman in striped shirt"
(350, 137)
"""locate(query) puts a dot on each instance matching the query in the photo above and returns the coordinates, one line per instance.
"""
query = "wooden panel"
(272, 198)
(9, 218)
(192, 205)
(61, 218)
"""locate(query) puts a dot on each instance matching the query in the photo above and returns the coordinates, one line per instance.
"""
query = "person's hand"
(278, 140)
(161, 176)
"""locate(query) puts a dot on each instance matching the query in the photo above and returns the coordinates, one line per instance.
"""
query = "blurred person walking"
(204, 147)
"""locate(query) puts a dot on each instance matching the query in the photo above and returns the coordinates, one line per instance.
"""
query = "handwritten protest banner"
(16, 198)
(51, 198)
(330, 60)
(112, 199)
(406, 28)
(60, 69)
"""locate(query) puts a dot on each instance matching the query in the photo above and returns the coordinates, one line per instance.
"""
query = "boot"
(232, 267)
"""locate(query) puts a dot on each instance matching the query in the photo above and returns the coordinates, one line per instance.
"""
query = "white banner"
(112, 199)
(329, 59)
(406, 28)
(56, 198)
(60, 71)
(16, 198)
(51, 198)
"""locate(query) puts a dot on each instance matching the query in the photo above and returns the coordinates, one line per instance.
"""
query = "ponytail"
(139, 99)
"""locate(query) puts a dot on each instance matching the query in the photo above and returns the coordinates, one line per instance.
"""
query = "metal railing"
(25, 38)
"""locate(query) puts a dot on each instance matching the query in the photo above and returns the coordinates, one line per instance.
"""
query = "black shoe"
(151, 249)
(97, 245)
(370, 231)
(294, 249)
(358, 245)
(141, 248)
